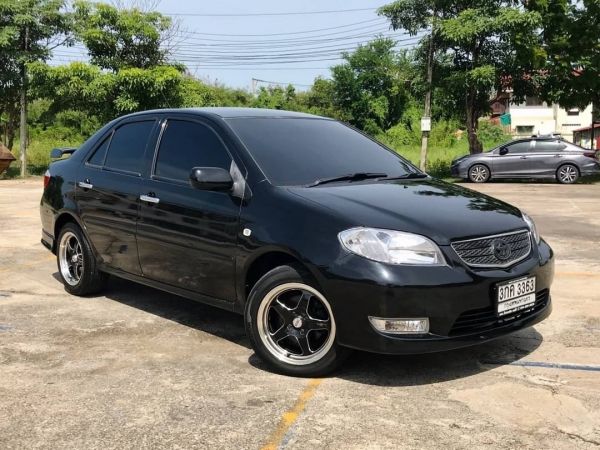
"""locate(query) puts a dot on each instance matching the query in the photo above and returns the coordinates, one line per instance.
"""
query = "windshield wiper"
(407, 176)
(357, 176)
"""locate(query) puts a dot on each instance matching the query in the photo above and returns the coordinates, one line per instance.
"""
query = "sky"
(233, 41)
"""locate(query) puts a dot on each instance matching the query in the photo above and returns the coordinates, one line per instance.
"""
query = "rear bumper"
(592, 168)
(459, 302)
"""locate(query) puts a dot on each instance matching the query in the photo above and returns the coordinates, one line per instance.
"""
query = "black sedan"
(322, 238)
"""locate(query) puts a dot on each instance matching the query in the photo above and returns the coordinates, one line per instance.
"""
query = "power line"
(278, 83)
(295, 13)
(341, 46)
(316, 38)
(216, 60)
(290, 33)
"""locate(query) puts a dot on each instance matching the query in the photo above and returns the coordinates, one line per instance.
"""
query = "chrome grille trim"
(478, 252)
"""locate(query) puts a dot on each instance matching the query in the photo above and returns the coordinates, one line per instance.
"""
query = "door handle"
(85, 184)
(149, 199)
(558, 156)
(523, 157)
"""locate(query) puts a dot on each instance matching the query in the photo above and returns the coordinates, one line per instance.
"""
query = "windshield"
(298, 151)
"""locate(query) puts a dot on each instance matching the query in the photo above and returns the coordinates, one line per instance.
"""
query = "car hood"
(433, 208)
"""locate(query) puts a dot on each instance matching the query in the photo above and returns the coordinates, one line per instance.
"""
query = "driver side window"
(518, 148)
(185, 145)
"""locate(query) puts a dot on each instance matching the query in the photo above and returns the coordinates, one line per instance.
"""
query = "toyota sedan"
(323, 239)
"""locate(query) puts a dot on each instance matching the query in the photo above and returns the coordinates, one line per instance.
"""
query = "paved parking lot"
(138, 368)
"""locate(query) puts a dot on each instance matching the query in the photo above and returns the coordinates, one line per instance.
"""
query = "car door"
(107, 192)
(512, 160)
(546, 156)
(186, 236)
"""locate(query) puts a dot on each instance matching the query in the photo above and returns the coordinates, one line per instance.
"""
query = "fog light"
(400, 326)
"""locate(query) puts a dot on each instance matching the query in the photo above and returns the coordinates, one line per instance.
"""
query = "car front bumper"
(458, 301)
(456, 172)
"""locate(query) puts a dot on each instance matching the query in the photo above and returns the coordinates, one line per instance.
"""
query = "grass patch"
(438, 158)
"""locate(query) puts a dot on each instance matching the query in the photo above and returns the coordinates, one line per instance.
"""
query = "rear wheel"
(567, 174)
(291, 324)
(479, 173)
(77, 265)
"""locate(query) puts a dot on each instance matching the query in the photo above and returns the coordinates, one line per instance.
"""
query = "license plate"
(515, 295)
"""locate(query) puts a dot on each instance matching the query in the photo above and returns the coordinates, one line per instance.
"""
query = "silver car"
(529, 158)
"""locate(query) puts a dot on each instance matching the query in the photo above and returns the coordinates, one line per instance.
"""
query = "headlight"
(392, 247)
(530, 223)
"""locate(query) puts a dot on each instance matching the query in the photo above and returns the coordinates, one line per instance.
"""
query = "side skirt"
(223, 304)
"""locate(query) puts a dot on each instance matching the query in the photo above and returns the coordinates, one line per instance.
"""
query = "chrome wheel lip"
(478, 174)
(265, 336)
(567, 174)
(70, 258)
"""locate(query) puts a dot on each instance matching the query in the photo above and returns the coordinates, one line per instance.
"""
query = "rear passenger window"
(97, 158)
(549, 146)
(185, 145)
(126, 151)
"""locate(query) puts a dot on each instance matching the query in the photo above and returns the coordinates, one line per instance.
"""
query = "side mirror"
(211, 179)
(503, 151)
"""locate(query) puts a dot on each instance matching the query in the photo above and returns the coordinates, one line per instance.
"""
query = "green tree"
(122, 38)
(570, 43)
(369, 87)
(486, 40)
(29, 30)
(128, 69)
(85, 87)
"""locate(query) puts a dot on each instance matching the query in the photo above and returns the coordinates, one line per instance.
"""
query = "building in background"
(533, 117)
(583, 136)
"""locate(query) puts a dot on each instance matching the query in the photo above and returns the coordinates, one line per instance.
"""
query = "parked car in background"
(534, 157)
(322, 238)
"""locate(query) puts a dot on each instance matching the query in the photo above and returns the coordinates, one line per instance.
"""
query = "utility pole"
(23, 125)
(426, 120)
(592, 131)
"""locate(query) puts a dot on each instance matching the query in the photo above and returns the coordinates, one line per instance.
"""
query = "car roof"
(234, 112)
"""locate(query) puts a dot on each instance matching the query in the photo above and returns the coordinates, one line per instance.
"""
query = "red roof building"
(583, 136)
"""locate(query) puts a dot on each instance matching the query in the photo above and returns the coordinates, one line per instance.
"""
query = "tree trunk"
(23, 124)
(11, 126)
(23, 101)
(472, 125)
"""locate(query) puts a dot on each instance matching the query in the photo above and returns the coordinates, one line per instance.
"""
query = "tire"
(479, 173)
(76, 263)
(567, 174)
(291, 326)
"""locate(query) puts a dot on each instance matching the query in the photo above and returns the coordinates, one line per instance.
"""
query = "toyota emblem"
(501, 249)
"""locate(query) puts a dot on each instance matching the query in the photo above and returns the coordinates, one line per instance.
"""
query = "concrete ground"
(138, 368)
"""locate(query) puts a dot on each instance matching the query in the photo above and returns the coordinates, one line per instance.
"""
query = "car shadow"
(415, 370)
(360, 367)
(218, 322)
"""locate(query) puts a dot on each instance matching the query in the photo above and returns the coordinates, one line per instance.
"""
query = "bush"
(443, 133)
(491, 134)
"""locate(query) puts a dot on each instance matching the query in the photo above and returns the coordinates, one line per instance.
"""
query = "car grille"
(484, 319)
(500, 250)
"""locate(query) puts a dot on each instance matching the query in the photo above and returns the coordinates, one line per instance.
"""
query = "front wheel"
(291, 324)
(567, 174)
(479, 173)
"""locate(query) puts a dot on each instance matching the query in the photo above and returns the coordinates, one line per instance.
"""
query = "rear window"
(97, 158)
(300, 151)
(549, 146)
(127, 146)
